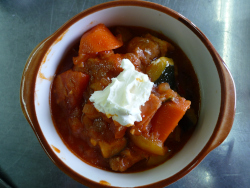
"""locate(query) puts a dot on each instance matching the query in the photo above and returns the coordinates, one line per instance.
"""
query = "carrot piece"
(98, 39)
(167, 117)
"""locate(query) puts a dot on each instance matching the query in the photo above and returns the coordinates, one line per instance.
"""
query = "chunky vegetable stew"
(90, 112)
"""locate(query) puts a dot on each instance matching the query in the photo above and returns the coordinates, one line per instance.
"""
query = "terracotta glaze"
(214, 78)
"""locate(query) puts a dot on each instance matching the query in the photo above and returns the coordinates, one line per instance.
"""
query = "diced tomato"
(167, 117)
(118, 130)
(98, 39)
(69, 87)
(147, 112)
(149, 108)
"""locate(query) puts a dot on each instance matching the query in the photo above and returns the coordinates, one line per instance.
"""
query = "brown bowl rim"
(228, 101)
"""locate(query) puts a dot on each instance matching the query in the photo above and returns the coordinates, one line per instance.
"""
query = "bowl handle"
(228, 109)
(27, 88)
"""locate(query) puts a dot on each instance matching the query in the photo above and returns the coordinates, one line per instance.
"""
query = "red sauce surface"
(86, 131)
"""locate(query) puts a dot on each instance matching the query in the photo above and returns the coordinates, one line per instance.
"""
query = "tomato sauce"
(94, 137)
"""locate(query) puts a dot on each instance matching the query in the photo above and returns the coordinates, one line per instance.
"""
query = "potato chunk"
(149, 145)
(110, 149)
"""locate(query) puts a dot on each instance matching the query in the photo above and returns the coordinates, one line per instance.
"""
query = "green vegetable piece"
(168, 75)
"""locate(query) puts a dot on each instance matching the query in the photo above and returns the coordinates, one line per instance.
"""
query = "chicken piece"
(164, 92)
(101, 68)
(75, 124)
(145, 49)
(164, 45)
(126, 159)
(134, 60)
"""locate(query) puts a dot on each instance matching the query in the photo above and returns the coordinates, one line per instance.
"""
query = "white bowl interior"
(190, 44)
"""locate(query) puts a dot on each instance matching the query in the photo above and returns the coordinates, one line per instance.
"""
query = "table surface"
(25, 23)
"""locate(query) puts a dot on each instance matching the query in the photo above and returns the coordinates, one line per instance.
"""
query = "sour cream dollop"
(123, 97)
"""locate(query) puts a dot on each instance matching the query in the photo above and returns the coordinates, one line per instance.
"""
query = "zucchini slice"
(162, 71)
(168, 75)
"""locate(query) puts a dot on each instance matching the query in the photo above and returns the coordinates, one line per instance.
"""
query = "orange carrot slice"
(98, 39)
(167, 117)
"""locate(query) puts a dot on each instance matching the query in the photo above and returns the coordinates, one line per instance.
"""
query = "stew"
(167, 118)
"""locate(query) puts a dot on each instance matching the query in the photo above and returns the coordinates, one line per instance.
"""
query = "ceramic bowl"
(216, 87)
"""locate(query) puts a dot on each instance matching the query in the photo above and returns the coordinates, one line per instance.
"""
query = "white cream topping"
(123, 98)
